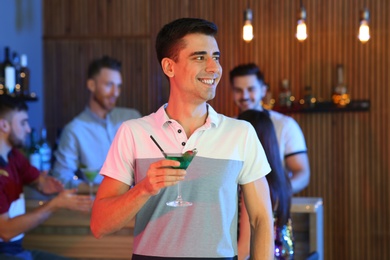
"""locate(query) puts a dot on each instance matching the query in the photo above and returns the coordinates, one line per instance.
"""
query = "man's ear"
(4, 125)
(167, 67)
(91, 85)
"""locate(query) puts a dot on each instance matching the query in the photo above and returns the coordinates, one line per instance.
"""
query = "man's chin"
(245, 108)
(110, 106)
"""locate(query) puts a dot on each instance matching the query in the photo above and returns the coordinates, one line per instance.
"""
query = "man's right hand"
(161, 174)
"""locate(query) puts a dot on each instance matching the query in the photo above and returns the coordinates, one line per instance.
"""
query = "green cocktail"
(91, 176)
(185, 159)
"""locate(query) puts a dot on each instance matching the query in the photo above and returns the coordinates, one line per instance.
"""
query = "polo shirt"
(229, 153)
(290, 136)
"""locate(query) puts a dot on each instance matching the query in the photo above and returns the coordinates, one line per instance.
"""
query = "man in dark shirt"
(15, 172)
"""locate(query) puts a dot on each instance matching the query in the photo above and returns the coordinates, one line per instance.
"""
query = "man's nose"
(28, 129)
(245, 94)
(116, 90)
(213, 66)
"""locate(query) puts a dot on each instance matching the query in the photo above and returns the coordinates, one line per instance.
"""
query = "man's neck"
(97, 109)
(190, 117)
(5, 148)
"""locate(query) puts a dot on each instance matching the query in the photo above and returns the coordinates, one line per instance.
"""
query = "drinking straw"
(159, 147)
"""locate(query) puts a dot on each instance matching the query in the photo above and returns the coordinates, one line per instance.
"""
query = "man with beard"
(85, 141)
(248, 91)
(15, 172)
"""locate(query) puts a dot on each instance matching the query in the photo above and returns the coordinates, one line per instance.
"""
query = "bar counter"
(68, 233)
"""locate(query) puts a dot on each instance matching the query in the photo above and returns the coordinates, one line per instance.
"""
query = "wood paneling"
(349, 152)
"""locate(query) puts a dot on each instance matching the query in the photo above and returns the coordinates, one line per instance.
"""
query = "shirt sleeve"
(294, 138)
(255, 163)
(119, 163)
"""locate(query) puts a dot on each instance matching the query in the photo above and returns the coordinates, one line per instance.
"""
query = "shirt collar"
(90, 113)
(212, 119)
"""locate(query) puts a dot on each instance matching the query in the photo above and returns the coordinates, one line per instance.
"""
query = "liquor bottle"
(24, 76)
(45, 151)
(308, 97)
(9, 73)
(285, 94)
(33, 151)
(340, 96)
(16, 63)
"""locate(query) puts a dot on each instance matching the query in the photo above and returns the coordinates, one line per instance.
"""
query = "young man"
(248, 90)
(15, 172)
(189, 56)
(86, 139)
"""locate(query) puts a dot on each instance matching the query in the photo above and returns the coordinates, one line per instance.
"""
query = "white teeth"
(208, 81)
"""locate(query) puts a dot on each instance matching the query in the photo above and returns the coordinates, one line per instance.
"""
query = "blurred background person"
(15, 172)
(280, 191)
(249, 89)
(84, 142)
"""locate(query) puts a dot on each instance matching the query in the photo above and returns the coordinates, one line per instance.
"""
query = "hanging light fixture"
(364, 30)
(247, 30)
(301, 24)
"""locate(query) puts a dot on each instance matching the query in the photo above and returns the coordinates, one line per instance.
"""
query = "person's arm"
(296, 160)
(67, 199)
(298, 165)
(258, 204)
(116, 204)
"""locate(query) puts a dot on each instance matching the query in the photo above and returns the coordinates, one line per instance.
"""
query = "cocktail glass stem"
(179, 202)
(90, 188)
(179, 199)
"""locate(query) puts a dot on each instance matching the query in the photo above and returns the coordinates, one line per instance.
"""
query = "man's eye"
(199, 58)
(216, 58)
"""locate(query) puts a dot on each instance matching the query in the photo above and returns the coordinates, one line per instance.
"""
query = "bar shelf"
(326, 107)
(27, 98)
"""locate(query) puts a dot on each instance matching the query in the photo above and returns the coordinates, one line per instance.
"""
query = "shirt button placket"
(180, 131)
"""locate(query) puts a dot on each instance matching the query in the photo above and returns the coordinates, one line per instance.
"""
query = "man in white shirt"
(248, 91)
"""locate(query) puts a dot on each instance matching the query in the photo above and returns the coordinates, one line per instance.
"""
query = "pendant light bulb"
(301, 25)
(364, 30)
(247, 31)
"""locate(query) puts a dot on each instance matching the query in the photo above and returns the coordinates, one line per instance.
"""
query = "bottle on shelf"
(340, 97)
(33, 151)
(24, 76)
(285, 94)
(45, 151)
(9, 73)
(16, 63)
(308, 97)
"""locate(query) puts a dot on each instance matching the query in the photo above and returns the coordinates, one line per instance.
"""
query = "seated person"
(280, 191)
(15, 172)
(84, 142)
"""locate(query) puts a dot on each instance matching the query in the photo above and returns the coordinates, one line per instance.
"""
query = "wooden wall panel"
(349, 152)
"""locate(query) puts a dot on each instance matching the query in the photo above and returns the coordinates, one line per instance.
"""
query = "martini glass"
(185, 160)
(91, 176)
